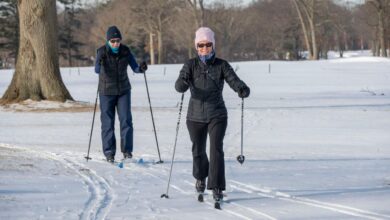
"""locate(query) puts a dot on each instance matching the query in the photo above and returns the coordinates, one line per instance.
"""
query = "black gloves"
(143, 66)
(244, 92)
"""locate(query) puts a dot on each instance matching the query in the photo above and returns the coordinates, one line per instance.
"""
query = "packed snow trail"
(267, 192)
(101, 196)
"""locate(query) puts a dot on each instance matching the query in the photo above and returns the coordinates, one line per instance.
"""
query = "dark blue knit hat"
(113, 32)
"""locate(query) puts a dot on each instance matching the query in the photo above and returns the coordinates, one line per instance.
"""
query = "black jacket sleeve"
(182, 83)
(231, 77)
(99, 54)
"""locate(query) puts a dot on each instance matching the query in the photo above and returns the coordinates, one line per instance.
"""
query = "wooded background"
(162, 31)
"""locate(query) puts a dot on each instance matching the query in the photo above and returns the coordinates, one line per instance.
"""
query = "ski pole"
(174, 147)
(241, 157)
(151, 112)
(93, 121)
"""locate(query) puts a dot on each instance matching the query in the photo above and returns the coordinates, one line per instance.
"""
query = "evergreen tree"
(9, 29)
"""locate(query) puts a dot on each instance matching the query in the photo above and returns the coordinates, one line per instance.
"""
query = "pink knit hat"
(204, 33)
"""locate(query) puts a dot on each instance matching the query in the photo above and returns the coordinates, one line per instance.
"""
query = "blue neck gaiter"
(113, 49)
(205, 58)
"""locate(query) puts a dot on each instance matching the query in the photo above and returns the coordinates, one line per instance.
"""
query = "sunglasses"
(115, 41)
(205, 45)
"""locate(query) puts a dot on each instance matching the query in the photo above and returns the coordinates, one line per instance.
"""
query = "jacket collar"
(208, 62)
(108, 49)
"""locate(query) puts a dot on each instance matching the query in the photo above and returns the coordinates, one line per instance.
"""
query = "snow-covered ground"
(316, 142)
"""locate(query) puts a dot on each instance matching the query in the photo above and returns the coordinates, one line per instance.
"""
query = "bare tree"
(153, 17)
(197, 8)
(381, 7)
(182, 31)
(192, 16)
(366, 26)
(306, 12)
(103, 19)
(271, 31)
(99, 17)
(69, 25)
(226, 21)
(263, 29)
(37, 75)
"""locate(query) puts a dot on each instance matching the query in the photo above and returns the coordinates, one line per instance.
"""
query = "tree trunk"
(160, 41)
(160, 47)
(345, 39)
(151, 48)
(313, 39)
(309, 11)
(304, 29)
(37, 74)
(380, 7)
(376, 48)
(69, 54)
(382, 33)
(198, 19)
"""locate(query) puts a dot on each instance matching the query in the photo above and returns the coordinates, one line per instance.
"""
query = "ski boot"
(127, 155)
(218, 196)
(110, 159)
(200, 186)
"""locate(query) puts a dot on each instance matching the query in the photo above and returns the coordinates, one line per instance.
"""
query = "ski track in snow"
(238, 212)
(267, 192)
(241, 211)
(101, 197)
(241, 208)
(186, 192)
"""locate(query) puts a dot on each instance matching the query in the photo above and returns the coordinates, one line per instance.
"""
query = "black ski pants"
(202, 168)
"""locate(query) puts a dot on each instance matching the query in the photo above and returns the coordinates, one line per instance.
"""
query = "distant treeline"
(162, 31)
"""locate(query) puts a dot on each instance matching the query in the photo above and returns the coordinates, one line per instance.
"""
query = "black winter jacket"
(206, 83)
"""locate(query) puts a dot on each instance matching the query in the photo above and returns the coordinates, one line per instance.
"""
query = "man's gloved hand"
(244, 92)
(143, 66)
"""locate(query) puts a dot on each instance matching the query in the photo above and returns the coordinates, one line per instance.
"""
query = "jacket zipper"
(204, 87)
(117, 74)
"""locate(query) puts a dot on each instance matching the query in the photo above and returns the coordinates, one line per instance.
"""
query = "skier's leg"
(126, 122)
(217, 129)
(107, 117)
(198, 135)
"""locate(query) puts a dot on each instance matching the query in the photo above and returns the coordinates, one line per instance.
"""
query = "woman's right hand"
(244, 92)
